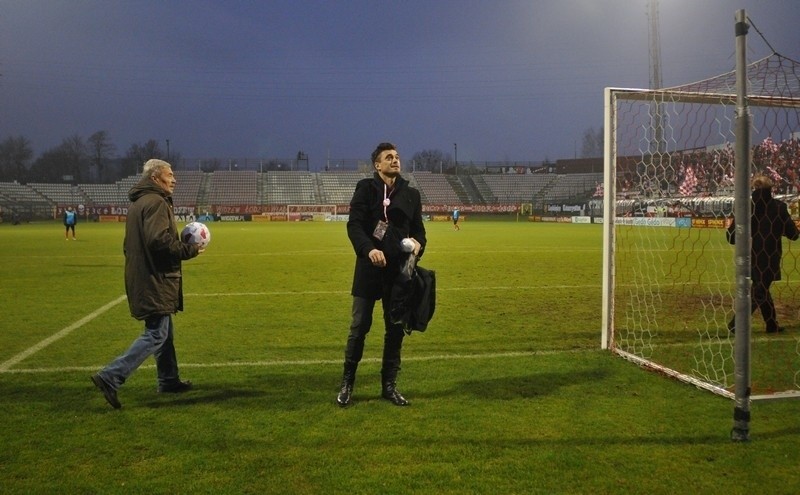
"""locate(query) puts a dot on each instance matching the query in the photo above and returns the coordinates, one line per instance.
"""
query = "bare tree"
(431, 160)
(15, 158)
(138, 154)
(592, 143)
(66, 162)
(101, 152)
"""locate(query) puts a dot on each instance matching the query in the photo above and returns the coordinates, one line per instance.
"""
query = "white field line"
(5, 367)
(308, 362)
(59, 335)
(445, 289)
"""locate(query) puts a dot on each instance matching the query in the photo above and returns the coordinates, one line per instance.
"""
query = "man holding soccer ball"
(153, 283)
(384, 212)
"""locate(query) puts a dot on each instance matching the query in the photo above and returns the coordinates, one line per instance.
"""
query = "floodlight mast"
(742, 212)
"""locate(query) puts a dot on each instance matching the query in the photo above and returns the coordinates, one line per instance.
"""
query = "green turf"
(510, 392)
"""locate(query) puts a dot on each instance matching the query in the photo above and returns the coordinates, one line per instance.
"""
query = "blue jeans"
(156, 340)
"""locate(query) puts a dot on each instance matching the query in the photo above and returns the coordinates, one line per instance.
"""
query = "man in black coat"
(769, 222)
(384, 211)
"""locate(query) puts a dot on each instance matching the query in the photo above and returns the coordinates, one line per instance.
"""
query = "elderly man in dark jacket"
(769, 222)
(384, 211)
(153, 282)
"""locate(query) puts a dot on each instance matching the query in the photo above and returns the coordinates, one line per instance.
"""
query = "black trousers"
(761, 299)
(359, 328)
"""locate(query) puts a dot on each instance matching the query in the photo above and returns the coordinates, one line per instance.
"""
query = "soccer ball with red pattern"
(196, 233)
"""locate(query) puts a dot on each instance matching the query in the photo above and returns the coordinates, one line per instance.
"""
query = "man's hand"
(377, 258)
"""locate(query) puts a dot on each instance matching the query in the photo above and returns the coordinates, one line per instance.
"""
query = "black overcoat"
(405, 220)
(769, 222)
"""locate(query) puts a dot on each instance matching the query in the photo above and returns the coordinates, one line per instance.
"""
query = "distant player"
(70, 220)
(456, 214)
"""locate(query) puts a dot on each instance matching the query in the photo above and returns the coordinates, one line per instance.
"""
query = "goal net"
(669, 271)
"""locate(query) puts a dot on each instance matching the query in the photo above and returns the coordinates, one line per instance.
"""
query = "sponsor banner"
(683, 222)
(262, 218)
(598, 220)
(646, 221)
(579, 219)
(238, 210)
(111, 218)
(96, 210)
(235, 218)
(709, 223)
(562, 208)
(448, 209)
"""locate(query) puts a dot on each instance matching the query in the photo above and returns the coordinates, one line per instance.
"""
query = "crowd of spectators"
(709, 172)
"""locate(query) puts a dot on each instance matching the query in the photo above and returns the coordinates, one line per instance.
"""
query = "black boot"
(348, 379)
(391, 394)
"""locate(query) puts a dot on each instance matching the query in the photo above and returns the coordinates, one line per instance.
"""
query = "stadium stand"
(337, 187)
(104, 194)
(187, 188)
(234, 188)
(195, 188)
(435, 188)
(63, 194)
(289, 187)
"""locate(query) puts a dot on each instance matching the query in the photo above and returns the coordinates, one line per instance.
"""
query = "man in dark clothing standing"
(384, 211)
(153, 282)
(769, 222)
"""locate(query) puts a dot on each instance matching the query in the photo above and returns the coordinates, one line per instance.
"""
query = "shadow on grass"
(519, 387)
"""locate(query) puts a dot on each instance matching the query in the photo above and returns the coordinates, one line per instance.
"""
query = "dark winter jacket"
(405, 220)
(770, 221)
(413, 297)
(153, 253)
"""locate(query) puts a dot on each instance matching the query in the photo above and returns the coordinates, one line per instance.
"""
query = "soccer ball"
(196, 233)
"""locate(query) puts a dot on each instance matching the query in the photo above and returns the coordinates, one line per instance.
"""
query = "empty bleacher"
(225, 187)
(14, 192)
(289, 188)
(104, 194)
(517, 188)
(62, 194)
(435, 188)
(187, 187)
(337, 187)
(234, 188)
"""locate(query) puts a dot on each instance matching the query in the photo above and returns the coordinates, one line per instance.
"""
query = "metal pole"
(742, 212)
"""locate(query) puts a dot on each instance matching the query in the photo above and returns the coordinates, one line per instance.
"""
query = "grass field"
(509, 390)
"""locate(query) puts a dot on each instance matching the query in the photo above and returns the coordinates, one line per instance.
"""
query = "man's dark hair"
(380, 149)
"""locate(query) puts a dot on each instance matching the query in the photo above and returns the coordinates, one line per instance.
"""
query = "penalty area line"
(5, 367)
(309, 362)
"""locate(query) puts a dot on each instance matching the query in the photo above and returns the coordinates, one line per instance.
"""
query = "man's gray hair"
(154, 167)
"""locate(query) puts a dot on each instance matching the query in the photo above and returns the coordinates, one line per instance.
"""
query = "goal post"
(669, 272)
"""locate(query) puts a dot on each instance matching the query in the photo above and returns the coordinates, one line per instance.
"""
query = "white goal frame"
(611, 203)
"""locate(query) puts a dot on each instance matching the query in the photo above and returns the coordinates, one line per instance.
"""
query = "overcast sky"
(505, 80)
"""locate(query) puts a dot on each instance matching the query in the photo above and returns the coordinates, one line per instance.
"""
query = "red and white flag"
(689, 183)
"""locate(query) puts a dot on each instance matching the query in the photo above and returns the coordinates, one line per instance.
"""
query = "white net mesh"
(673, 291)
